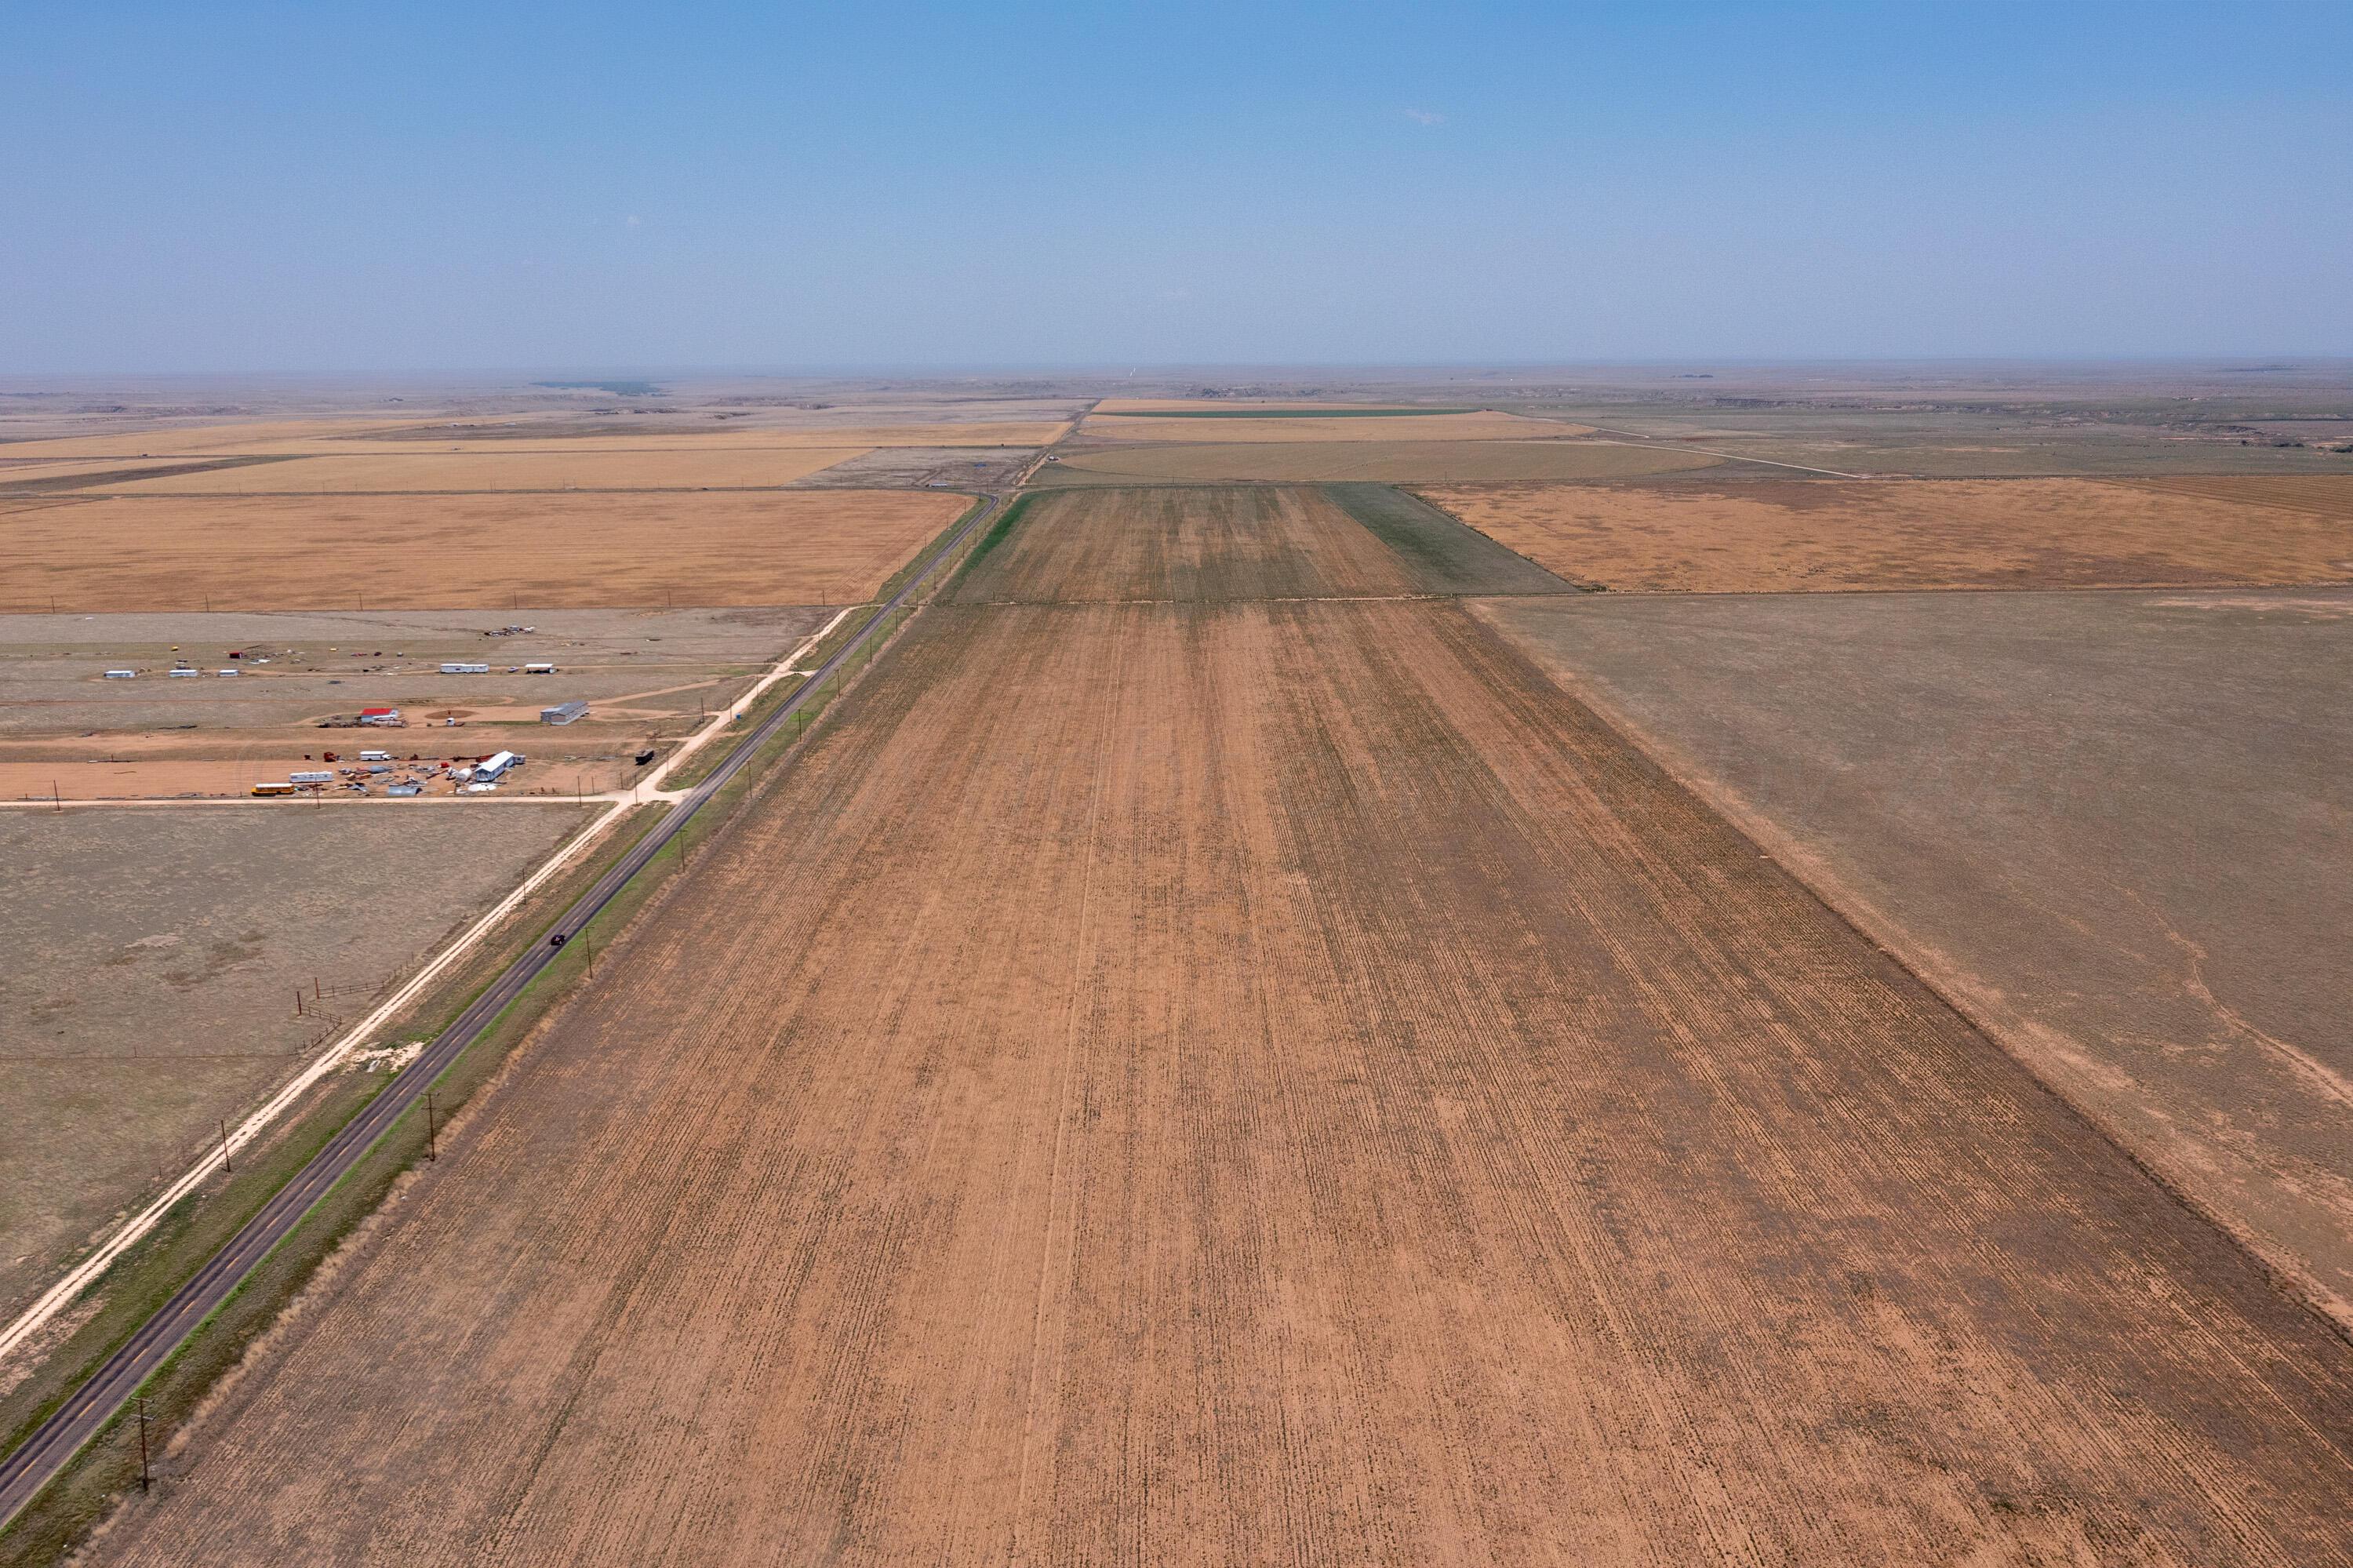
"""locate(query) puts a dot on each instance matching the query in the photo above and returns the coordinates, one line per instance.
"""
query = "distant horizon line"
(2248, 363)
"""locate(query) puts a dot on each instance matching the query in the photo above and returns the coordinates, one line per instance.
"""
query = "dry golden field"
(2320, 495)
(1392, 461)
(121, 553)
(52, 472)
(1478, 427)
(331, 437)
(584, 468)
(1779, 535)
(248, 436)
(1206, 1077)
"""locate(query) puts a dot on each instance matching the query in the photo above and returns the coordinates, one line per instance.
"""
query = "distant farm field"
(1779, 536)
(1391, 461)
(426, 551)
(1230, 426)
(331, 437)
(153, 959)
(584, 468)
(1182, 1072)
(180, 440)
(2320, 495)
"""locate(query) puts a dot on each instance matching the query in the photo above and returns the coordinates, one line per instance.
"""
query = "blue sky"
(246, 188)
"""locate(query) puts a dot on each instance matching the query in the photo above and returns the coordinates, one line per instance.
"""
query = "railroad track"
(36, 1461)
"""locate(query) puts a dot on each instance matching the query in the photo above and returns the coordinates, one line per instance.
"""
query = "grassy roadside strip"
(148, 1274)
(107, 1469)
(706, 761)
(998, 533)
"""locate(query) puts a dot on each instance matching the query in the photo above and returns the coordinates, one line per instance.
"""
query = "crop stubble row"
(1292, 1086)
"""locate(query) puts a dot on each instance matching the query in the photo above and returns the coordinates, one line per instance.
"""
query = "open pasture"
(586, 468)
(1389, 461)
(1781, 536)
(152, 958)
(1167, 1075)
(1230, 426)
(123, 552)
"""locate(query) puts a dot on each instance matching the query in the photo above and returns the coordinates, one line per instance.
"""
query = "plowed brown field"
(437, 552)
(1195, 545)
(1779, 536)
(1265, 1081)
(1474, 427)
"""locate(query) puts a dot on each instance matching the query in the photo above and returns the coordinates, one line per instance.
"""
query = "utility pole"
(142, 1442)
(225, 1166)
(432, 1149)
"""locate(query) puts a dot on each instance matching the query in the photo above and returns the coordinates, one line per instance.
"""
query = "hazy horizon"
(248, 191)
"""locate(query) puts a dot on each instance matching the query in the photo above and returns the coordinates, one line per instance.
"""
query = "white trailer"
(496, 767)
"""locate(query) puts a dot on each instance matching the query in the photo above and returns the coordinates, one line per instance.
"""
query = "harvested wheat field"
(1230, 426)
(582, 468)
(1779, 535)
(437, 552)
(1260, 1080)
(1391, 461)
